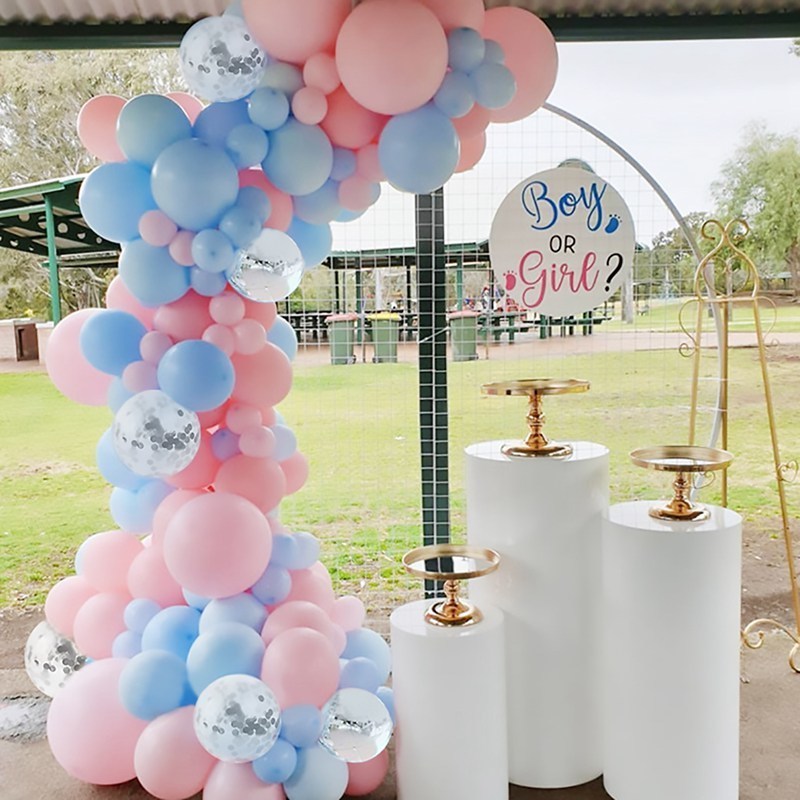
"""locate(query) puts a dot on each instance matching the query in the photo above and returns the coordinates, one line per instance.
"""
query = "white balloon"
(356, 725)
(51, 659)
(270, 269)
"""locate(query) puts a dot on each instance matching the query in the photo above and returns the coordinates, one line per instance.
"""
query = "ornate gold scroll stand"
(727, 278)
(536, 443)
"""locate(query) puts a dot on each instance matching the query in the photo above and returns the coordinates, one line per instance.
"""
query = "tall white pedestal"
(671, 655)
(449, 695)
(544, 517)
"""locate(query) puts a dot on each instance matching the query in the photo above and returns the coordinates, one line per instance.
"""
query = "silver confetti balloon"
(154, 436)
(237, 718)
(220, 60)
(51, 659)
(356, 725)
(270, 269)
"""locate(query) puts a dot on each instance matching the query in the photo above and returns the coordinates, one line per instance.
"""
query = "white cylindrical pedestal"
(671, 655)
(544, 518)
(449, 696)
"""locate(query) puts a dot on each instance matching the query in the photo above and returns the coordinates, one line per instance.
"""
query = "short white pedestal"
(449, 695)
(671, 655)
(544, 517)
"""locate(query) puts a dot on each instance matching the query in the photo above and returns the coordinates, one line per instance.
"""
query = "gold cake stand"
(536, 444)
(451, 563)
(685, 461)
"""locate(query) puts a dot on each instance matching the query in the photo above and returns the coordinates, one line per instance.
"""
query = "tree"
(760, 184)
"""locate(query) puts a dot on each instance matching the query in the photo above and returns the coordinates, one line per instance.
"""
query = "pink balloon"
(355, 193)
(238, 782)
(249, 336)
(64, 601)
(189, 103)
(180, 248)
(391, 56)
(97, 126)
(149, 577)
(472, 151)
(106, 559)
(294, 31)
(457, 13)
(301, 666)
(209, 419)
(139, 376)
(221, 336)
(90, 733)
(296, 614)
(348, 123)
(240, 417)
(227, 308)
(170, 762)
(99, 621)
(257, 441)
(71, 373)
(153, 345)
(318, 568)
(262, 379)
(282, 209)
(265, 313)
(156, 228)
(200, 473)
(119, 297)
(312, 588)
(295, 468)
(367, 776)
(217, 545)
(186, 318)
(320, 72)
(531, 56)
(348, 612)
(259, 480)
(309, 105)
(369, 164)
(472, 123)
(166, 511)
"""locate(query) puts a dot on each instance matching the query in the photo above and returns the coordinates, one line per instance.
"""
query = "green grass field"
(358, 425)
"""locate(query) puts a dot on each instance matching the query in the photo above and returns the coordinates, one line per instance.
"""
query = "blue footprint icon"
(612, 224)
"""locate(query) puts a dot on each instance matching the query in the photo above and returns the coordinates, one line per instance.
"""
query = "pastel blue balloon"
(212, 250)
(148, 124)
(196, 374)
(368, 644)
(308, 549)
(321, 206)
(229, 648)
(465, 49)
(133, 511)
(277, 764)
(386, 696)
(113, 197)
(360, 673)
(244, 608)
(208, 284)
(126, 645)
(273, 586)
(173, 629)
(494, 52)
(224, 444)
(234, 10)
(80, 553)
(301, 725)
(139, 612)
(117, 395)
(217, 120)
(319, 775)
(152, 683)
(314, 241)
(247, 145)
(112, 468)
(285, 551)
(268, 108)
(454, 97)
(344, 163)
(493, 84)
(286, 78)
(283, 336)
(243, 224)
(285, 442)
(418, 150)
(151, 275)
(300, 158)
(349, 216)
(195, 600)
(109, 340)
(253, 199)
(194, 184)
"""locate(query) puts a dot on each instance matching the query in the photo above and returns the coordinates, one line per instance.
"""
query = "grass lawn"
(358, 425)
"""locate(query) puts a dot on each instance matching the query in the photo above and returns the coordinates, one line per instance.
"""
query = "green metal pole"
(52, 260)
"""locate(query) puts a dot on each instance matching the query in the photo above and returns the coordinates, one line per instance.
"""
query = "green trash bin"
(385, 334)
(342, 336)
(464, 335)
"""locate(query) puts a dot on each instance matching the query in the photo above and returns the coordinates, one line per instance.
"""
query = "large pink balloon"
(170, 763)
(262, 379)
(71, 373)
(297, 614)
(119, 297)
(217, 545)
(294, 30)
(189, 103)
(309, 586)
(457, 13)
(99, 621)
(238, 782)
(186, 318)
(64, 601)
(367, 776)
(348, 123)
(301, 666)
(259, 480)
(91, 735)
(391, 56)
(282, 209)
(97, 126)
(107, 557)
(530, 55)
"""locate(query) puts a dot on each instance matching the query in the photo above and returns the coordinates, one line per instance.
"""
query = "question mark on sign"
(617, 258)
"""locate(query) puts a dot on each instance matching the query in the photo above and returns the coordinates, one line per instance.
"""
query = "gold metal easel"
(726, 278)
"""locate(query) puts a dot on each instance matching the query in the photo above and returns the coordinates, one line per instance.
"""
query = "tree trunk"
(626, 299)
(793, 262)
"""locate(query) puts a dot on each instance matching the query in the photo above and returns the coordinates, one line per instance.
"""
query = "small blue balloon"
(319, 775)
(133, 511)
(244, 608)
(247, 145)
(285, 551)
(195, 600)
(217, 120)
(465, 49)
(321, 206)
(224, 444)
(173, 629)
(386, 696)
(454, 97)
(109, 340)
(207, 284)
(126, 645)
(283, 336)
(350, 216)
(308, 549)
(152, 683)
(314, 241)
(360, 673)
(148, 124)
(229, 648)
(212, 250)
(285, 442)
(139, 612)
(494, 52)
(241, 224)
(277, 764)
(367, 643)
(300, 158)
(196, 374)
(301, 725)
(273, 586)
(493, 84)
(151, 275)
(268, 108)
(112, 468)
(117, 395)
(344, 163)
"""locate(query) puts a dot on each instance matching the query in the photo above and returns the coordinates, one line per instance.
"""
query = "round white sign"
(562, 242)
